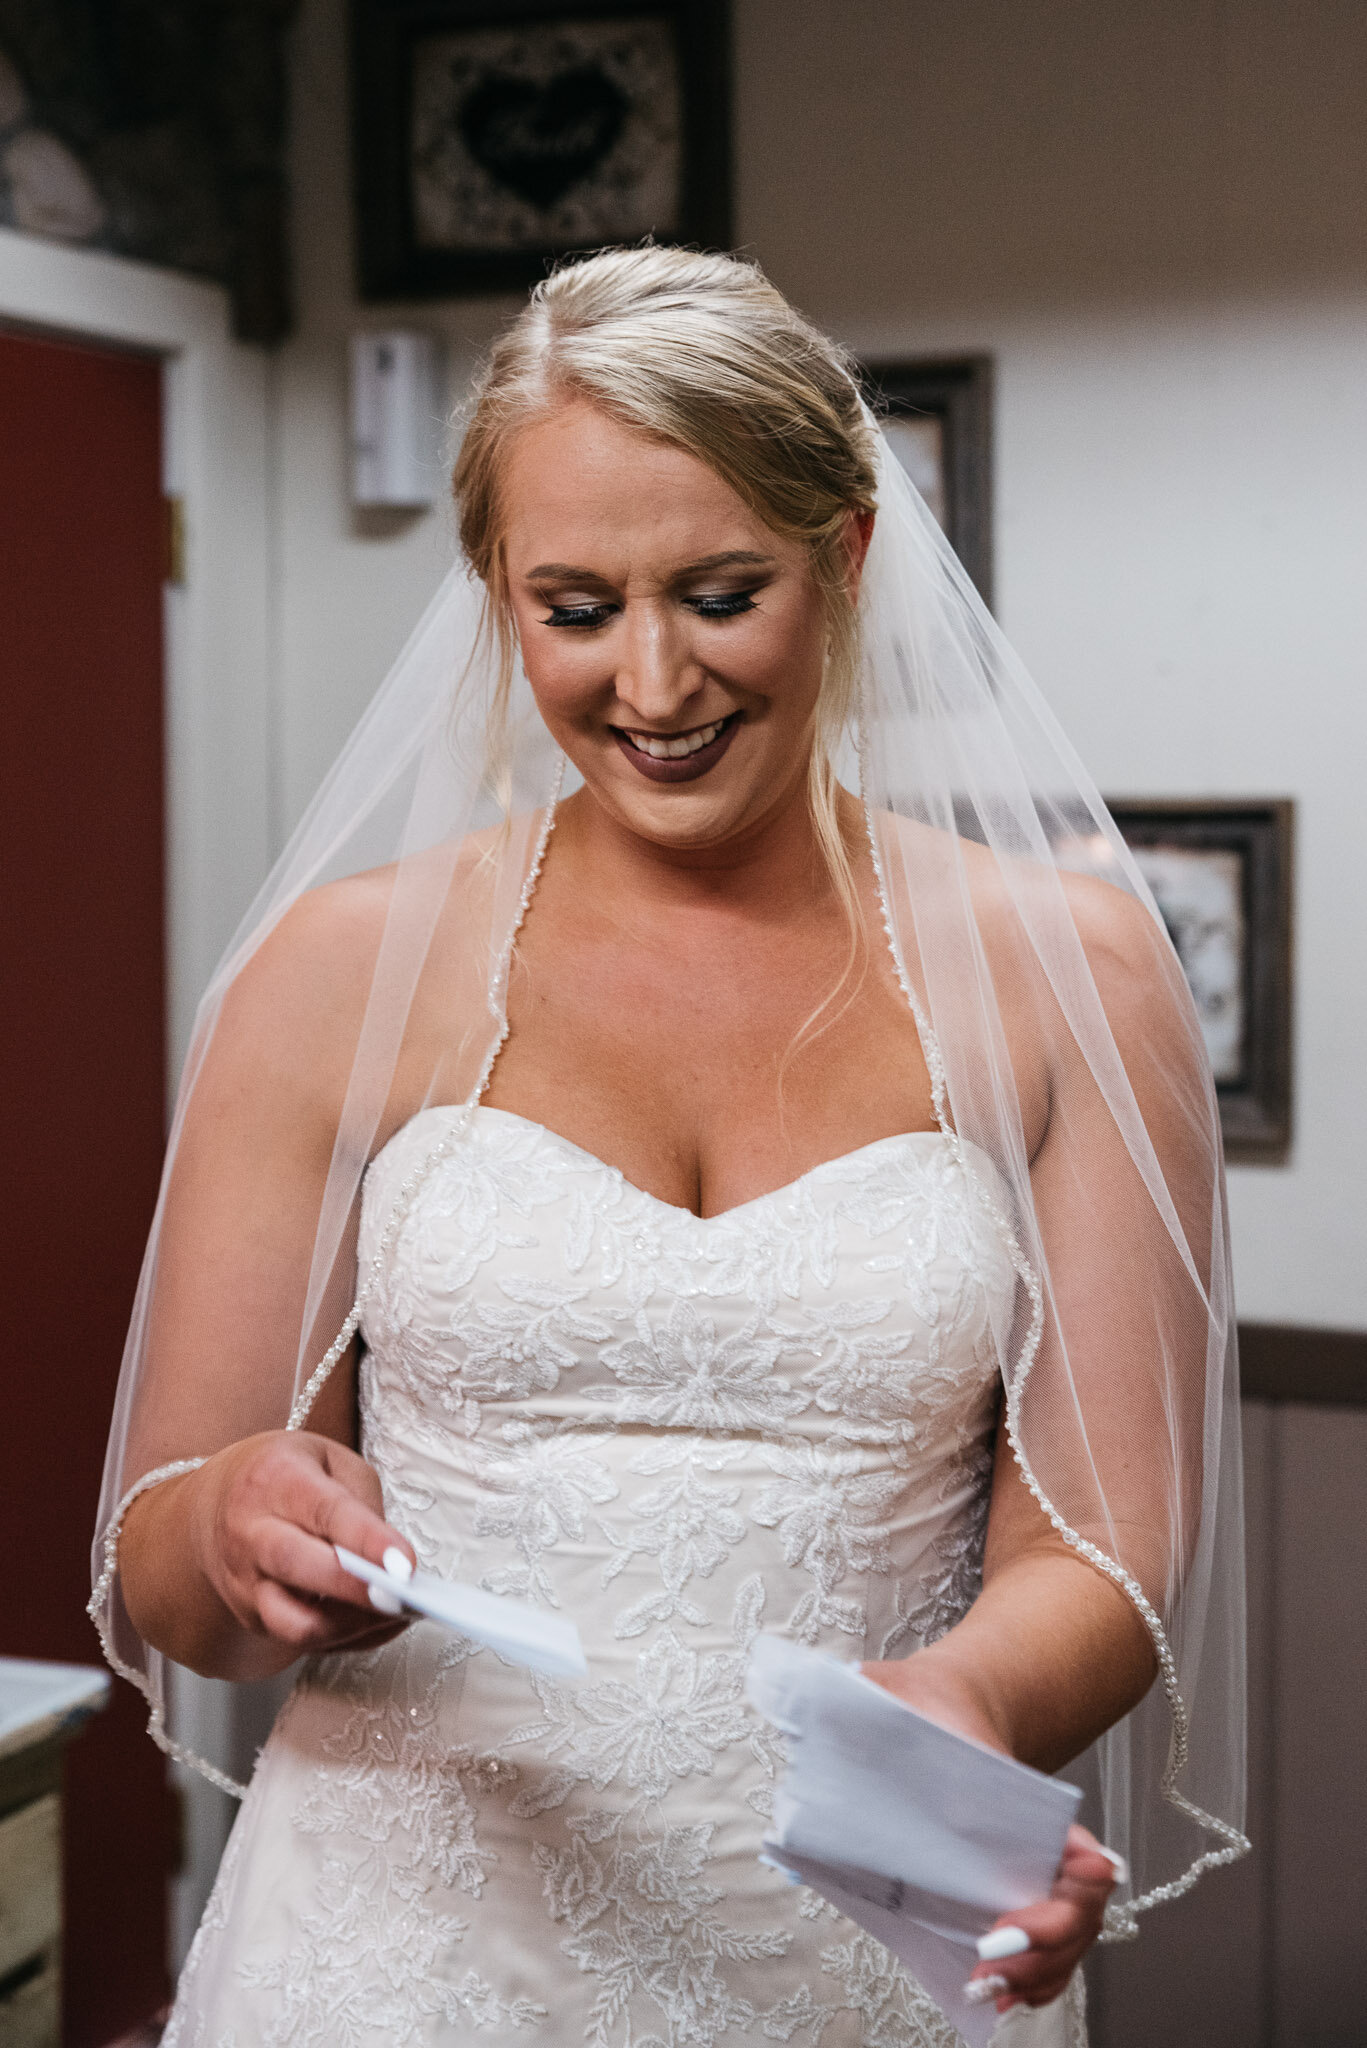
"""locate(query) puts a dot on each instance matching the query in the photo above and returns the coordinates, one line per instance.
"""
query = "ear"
(858, 534)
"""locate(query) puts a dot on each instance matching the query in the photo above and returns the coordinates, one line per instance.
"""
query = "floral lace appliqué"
(678, 1430)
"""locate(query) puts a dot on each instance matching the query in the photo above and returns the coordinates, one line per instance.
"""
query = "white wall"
(1151, 213)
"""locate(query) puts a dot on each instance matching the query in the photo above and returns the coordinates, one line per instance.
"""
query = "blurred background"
(1106, 260)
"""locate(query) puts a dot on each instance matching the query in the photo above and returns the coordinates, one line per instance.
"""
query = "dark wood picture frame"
(957, 391)
(391, 261)
(1255, 1108)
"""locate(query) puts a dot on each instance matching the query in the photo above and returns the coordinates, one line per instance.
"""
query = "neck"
(775, 862)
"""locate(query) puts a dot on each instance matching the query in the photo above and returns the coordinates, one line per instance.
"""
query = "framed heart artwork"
(491, 136)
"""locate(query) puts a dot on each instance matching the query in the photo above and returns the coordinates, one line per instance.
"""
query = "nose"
(657, 674)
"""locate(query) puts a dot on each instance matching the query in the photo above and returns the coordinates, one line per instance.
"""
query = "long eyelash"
(588, 616)
(582, 615)
(729, 607)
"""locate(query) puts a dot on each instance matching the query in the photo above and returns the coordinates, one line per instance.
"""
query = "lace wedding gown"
(679, 1431)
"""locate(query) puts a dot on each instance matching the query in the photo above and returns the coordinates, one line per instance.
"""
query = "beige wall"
(1151, 213)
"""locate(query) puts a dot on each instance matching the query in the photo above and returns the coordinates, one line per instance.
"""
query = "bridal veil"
(1006, 892)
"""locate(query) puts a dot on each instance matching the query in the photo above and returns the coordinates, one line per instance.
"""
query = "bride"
(712, 1029)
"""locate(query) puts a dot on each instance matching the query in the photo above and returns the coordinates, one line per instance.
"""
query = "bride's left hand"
(1062, 1927)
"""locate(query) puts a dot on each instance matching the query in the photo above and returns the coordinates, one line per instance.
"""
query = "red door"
(82, 1052)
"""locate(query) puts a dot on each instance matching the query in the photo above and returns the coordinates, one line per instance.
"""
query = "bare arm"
(1054, 1651)
(1048, 1657)
(1050, 1654)
(229, 1569)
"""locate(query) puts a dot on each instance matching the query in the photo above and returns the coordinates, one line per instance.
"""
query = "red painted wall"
(82, 556)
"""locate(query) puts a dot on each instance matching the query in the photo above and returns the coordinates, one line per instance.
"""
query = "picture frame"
(1221, 874)
(937, 414)
(490, 137)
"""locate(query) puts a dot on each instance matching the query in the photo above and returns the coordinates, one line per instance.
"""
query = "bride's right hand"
(265, 1515)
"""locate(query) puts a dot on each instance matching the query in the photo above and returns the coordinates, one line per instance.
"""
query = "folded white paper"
(915, 1833)
(524, 1635)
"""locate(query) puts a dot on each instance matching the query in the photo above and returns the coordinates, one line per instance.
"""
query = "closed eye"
(581, 615)
(726, 606)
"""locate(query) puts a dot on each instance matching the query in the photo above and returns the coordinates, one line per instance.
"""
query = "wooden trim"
(1325, 1368)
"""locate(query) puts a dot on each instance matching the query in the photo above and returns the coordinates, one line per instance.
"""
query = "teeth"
(675, 750)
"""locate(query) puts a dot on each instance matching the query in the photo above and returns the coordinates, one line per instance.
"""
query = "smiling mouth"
(677, 756)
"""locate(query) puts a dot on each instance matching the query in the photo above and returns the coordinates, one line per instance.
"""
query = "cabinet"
(41, 1707)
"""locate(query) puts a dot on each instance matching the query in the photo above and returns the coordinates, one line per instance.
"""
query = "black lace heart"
(540, 140)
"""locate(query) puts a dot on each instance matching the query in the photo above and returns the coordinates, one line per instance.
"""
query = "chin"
(695, 823)
(682, 814)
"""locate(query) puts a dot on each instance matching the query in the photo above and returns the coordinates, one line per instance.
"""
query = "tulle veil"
(1004, 883)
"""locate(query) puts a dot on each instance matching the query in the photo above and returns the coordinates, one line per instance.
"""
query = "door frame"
(220, 710)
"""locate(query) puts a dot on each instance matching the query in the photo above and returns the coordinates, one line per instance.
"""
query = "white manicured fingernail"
(1118, 1865)
(388, 1603)
(396, 1564)
(1001, 1943)
(982, 1990)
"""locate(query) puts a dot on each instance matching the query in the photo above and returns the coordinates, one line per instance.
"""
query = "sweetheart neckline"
(448, 1109)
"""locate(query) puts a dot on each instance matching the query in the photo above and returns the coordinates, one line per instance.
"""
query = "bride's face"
(674, 644)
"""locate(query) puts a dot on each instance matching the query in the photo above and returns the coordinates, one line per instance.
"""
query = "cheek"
(565, 672)
(783, 657)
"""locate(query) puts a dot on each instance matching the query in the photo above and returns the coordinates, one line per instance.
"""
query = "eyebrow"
(735, 558)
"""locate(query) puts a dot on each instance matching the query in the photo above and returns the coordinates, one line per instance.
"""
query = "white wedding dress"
(679, 1431)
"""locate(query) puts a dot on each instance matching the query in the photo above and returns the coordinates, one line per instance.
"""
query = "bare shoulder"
(325, 946)
(1118, 933)
(1031, 920)
(937, 860)
(1115, 928)
(329, 933)
(293, 1015)
(317, 959)
(1136, 972)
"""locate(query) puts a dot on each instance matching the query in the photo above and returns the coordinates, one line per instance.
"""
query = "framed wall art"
(937, 416)
(1220, 873)
(491, 136)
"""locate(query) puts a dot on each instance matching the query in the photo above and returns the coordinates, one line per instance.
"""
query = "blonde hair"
(700, 351)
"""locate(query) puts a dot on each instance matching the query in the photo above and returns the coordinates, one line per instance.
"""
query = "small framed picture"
(491, 136)
(937, 416)
(1220, 873)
